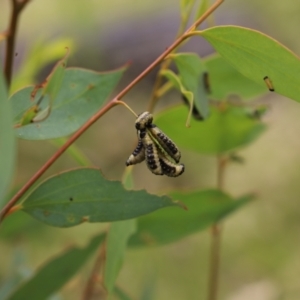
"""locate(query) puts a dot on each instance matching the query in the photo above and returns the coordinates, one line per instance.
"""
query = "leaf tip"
(181, 204)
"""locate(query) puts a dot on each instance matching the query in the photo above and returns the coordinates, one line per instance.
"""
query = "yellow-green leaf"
(256, 55)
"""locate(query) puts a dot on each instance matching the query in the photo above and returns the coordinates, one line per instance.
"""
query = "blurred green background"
(261, 242)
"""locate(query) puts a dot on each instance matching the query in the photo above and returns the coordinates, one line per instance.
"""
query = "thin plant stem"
(128, 107)
(103, 110)
(214, 261)
(17, 7)
(94, 278)
(53, 158)
(158, 80)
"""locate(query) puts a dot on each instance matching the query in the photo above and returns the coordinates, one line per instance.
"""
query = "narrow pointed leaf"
(41, 53)
(116, 245)
(82, 94)
(7, 141)
(121, 295)
(55, 273)
(50, 87)
(54, 80)
(191, 72)
(226, 128)
(204, 208)
(256, 56)
(84, 195)
(225, 80)
(203, 7)
(189, 96)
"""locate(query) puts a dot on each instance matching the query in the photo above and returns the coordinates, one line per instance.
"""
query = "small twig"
(158, 80)
(214, 263)
(95, 274)
(102, 111)
(17, 7)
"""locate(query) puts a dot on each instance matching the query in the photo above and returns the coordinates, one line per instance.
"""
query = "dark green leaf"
(225, 80)
(82, 94)
(7, 141)
(116, 245)
(84, 195)
(225, 129)
(256, 55)
(55, 273)
(204, 209)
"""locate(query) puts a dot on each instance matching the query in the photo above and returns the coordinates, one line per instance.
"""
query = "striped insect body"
(137, 156)
(156, 148)
(144, 120)
(166, 143)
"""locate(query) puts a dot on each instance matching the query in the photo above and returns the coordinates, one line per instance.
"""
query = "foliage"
(219, 91)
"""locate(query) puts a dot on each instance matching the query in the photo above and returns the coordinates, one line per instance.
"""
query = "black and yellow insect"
(269, 84)
(156, 148)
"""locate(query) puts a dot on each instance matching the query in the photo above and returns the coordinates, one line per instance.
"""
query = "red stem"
(106, 108)
(17, 7)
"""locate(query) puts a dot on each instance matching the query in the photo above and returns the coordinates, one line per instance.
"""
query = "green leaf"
(204, 208)
(185, 6)
(82, 94)
(175, 80)
(203, 7)
(40, 54)
(55, 78)
(55, 273)
(116, 245)
(256, 55)
(225, 80)
(191, 72)
(121, 294)
(7, 141)
(226, 128)
(84, 195)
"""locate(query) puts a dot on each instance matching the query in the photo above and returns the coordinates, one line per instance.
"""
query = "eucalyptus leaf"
(256, 55)
(204, 208)
(84, 195)
(7, 141)
(191, 72)
(226, 128)
(176, 82)
(116, 245)
(40, 54)
(56, 272)
(225, 80)
(82, 94)
(121, 294)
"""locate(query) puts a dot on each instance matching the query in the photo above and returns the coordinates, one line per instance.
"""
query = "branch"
(106, 108)
(89, 290)
(215, 249)
(17, 7)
